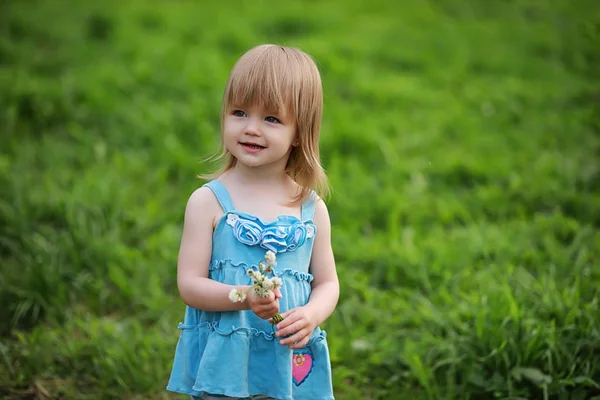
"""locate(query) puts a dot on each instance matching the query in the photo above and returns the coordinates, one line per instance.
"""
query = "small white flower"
(232, 219)
(276, 281)
(260, 278)
(261, 291)
(268, 284)
(271, 258)
(310, 231)
(237, 295)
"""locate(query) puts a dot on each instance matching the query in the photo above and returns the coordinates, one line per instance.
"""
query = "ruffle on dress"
(252, 231)
(217, 270)
(207, 353)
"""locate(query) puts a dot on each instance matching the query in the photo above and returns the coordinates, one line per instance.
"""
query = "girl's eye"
(272, 120)
(239, 113)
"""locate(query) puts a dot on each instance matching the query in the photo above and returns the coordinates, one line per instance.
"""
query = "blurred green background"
(461, 137)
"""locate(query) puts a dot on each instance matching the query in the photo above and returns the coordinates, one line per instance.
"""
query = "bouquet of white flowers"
(262, 284)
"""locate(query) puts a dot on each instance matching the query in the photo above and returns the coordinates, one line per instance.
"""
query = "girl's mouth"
(252, 147)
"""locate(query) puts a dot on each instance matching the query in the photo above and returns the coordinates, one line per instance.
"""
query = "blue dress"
(236, 353)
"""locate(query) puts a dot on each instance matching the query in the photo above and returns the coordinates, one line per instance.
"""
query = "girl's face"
(257, 137)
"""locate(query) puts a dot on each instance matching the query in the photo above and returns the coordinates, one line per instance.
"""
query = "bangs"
(266, 77)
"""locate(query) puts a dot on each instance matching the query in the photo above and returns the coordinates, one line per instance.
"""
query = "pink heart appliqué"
(302, 365)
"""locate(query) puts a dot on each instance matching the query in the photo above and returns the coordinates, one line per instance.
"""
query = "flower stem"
(277, 318)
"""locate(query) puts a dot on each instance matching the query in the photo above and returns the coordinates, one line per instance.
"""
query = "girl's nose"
(252, 128)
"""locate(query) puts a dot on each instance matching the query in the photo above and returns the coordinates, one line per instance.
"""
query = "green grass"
(461, 137)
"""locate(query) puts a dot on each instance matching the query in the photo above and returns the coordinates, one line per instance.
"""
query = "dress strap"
(308, 207)
(221, 194)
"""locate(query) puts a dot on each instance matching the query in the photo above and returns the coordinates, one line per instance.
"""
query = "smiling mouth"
(253, 145)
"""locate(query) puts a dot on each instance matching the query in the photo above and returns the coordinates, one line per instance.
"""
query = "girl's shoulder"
(202, 197)
(203, 202)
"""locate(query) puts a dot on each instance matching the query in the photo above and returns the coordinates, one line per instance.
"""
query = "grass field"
(461, 138)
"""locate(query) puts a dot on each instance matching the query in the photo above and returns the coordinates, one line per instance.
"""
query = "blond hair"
(277, 78)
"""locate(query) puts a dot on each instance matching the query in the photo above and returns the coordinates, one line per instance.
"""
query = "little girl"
(262, 201)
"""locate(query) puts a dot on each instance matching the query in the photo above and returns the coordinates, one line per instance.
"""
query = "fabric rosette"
(248, 232)
(275, 238)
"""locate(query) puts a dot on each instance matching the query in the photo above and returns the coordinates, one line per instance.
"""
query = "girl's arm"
(300, 322)
(195, 288)
(325, 285)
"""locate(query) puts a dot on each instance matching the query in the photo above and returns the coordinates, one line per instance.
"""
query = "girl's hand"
(299, 324)
(264, 307)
